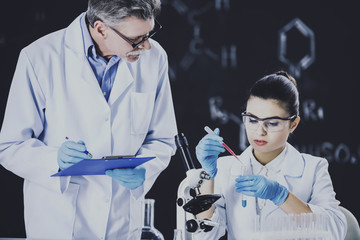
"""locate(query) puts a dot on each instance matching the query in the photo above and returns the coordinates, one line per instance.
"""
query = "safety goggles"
(270, 124)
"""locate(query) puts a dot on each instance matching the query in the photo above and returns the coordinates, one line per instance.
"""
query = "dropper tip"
(208, 130)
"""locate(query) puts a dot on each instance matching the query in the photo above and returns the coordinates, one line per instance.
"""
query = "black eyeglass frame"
(135, 45)
(292, 118)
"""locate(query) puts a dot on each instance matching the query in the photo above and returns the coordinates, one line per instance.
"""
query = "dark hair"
(112, 12)
(278, 86)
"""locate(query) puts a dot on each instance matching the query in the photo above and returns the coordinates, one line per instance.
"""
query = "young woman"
(278, 179)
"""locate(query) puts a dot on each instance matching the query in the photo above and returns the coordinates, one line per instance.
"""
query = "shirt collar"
(271, 168)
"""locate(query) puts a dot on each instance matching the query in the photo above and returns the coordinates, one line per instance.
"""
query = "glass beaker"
(148, 231)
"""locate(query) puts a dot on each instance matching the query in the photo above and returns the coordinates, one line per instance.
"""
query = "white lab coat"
(54, 94)
(306, 176)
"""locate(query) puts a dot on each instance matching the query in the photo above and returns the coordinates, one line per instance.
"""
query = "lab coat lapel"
(73, 38)
(76, 61)
(122, 81)
(294, 165)
(87, 74)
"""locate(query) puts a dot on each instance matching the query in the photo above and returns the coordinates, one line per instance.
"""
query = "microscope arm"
(190, 203)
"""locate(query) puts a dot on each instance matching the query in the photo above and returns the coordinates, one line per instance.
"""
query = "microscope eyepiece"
(183, 147)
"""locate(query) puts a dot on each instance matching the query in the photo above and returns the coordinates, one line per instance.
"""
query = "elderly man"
(103, 83)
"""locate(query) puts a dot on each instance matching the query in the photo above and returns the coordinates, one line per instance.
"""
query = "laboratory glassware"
(178, 234)
(148, 231)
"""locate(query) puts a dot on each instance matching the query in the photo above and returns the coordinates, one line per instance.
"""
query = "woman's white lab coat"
(54, 94)
(306, 176)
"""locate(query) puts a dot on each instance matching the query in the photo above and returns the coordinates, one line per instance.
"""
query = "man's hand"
(130, 178)
(70, 153)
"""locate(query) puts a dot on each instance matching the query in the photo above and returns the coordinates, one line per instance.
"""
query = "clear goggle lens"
(269, 125)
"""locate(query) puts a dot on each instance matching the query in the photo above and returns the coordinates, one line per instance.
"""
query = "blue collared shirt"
(105, 71)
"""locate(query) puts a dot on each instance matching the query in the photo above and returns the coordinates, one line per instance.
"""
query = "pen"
(208, 130)
(86, 152)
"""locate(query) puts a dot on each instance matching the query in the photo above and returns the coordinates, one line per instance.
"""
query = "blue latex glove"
(70, 153)
(261, 187)
(208, 150)
(130, 178)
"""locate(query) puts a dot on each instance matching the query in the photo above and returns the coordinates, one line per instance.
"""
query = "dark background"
(196, 34)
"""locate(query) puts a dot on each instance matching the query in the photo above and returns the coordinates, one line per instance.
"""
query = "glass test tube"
(243, 197)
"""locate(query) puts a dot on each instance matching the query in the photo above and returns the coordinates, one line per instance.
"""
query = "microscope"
(190, 202)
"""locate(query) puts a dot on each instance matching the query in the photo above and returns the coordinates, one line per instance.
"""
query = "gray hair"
(112, 12)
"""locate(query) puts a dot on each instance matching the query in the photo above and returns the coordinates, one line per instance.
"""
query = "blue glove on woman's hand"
(70, 153)
(208, 150)
(130, 178)
(261, 187)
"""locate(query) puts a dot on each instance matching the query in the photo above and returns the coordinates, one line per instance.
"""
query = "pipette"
(208, 130)
(243, 198)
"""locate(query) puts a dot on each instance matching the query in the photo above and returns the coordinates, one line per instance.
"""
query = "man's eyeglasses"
(271, 124)
(157, 27)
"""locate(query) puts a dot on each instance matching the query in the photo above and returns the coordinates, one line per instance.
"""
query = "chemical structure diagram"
(310, 110)
(227, 54)
(296, 49)
(306, 35)
(197, 46)
(228, 57)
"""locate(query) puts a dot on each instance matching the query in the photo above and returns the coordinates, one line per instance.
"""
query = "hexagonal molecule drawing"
(294, 36)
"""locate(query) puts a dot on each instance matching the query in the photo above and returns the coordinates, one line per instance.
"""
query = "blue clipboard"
(99, 166)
